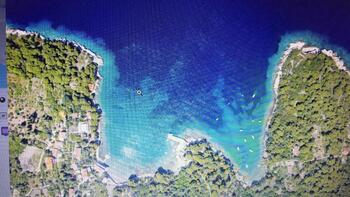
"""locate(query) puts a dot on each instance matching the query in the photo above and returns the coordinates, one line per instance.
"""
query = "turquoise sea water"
(135, 127)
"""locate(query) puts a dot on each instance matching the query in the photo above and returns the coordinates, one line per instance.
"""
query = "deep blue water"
(201, 65)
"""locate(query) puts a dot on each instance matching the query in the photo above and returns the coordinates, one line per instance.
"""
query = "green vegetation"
(308, 138)
(313, 109)
(307, 146)
(51, 86)
(208, 174)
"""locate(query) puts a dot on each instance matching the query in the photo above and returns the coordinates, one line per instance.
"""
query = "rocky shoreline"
(306, 49)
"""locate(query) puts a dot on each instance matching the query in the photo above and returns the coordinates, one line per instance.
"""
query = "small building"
(84, 174)
(62, 136)
(71, 192)
(100, 169)
(55, 153)
(74, 167)
(49, 163)
(58, 145)
(83, 127)
(77, 153)
(346, 151)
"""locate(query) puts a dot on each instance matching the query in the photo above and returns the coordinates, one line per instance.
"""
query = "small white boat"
(245, 140)
(253, 96)
(253, 137)
(241, 130)
(238, 148)
(250, 150)
(246, 165)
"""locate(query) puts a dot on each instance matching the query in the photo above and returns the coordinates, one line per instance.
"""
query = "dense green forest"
(313, 108)
(51, 91)
(309, 135)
